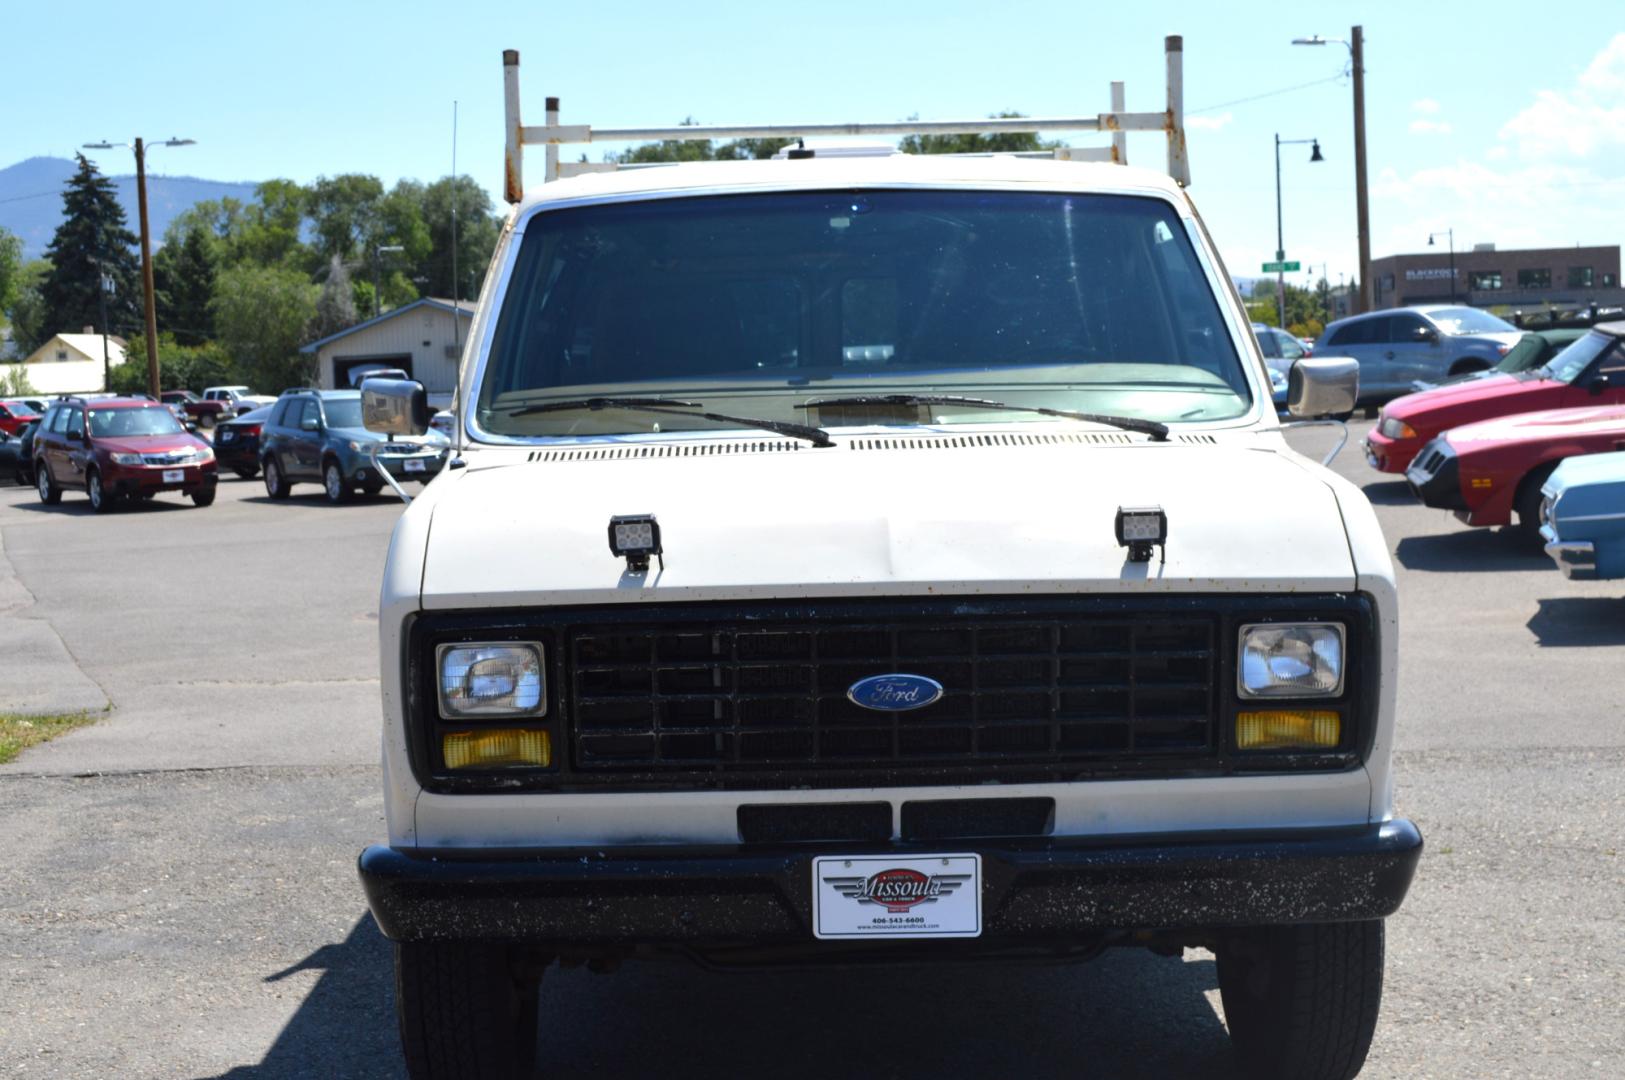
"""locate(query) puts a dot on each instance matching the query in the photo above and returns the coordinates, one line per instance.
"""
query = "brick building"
(1487, 278)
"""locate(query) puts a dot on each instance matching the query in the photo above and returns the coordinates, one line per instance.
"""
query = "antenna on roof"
(456, 307)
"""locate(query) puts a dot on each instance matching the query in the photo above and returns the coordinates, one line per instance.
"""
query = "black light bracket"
(635, 537)
(1141, 528)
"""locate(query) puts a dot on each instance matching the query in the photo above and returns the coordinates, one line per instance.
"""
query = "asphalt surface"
(178, 897)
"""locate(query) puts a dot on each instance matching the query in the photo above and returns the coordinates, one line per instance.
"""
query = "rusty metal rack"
(552, 134)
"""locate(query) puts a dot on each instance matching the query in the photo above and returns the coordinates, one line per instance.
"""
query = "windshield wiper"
(1157, 431)
(673, 407)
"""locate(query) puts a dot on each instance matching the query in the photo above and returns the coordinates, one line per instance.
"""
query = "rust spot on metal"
(1117, 157)
(510, 57)
(1110, 122)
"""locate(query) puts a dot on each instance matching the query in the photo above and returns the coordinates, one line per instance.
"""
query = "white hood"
(1242, 516)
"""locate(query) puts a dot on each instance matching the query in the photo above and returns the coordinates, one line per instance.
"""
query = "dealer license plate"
(877, 896)
(227, 436)
(174, 476)
(413, 465)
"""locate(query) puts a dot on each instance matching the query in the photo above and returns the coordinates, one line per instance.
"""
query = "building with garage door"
(425, 339)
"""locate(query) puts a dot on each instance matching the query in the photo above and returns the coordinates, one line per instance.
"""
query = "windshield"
(342, 412)
(1567, 365)
(757, 304)
(146, 420)
(1466, 320)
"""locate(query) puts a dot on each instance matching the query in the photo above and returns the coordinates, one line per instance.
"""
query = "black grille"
(727, 697)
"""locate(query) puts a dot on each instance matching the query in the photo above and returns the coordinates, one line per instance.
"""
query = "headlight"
(357, 447)
(1291, 660)
(203, 453)
(1395, 428)
(125, 459)
(482, 680)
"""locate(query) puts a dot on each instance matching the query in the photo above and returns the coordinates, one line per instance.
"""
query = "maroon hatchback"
(118, 449)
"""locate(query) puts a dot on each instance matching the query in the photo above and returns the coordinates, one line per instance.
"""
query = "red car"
(14, 414)
(1591, 371)
(119, 449)
(1486, 471)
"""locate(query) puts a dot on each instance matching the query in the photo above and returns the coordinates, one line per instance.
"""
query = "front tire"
(276, 485)
(1526, 503)
(334, 484)
(1301, 1002)
(465, 1011)
(49, 493)
(203, 497)
(101, 500)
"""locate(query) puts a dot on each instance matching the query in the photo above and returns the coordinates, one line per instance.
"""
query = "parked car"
(14, 413)
(1533, 350)
(11, 455)
(222, 403)
(1397, 347)
(1281, 350)
(237, 442)
(1591, 371)
(361, 373)
(117, 449)
(1582, 516)
(1488, 471)
(23, 469)
(316, 436)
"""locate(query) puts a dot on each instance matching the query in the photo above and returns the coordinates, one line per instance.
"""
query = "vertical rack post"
(1178, 162)
(1119, 136)
(513, 171)
(550, 171)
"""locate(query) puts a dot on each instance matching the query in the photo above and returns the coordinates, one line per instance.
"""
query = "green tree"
(11, 266)
(91, 242)
(477, 230)
(180, 367)
(262, 316)
(345, 212)
(27, 310)
(183, 273)
(1011, 142)
(335, 304)
(14, 381)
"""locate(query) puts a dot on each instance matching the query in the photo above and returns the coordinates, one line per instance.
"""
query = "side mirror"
(395, 406)
(191, 428)
(76, 436)
(1598, 384)
(1322, 386)
(1427, 334)
(310, 424)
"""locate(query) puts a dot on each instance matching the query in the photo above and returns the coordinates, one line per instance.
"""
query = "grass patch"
(18, 733)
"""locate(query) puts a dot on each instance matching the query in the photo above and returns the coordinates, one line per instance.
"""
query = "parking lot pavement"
(191, 909)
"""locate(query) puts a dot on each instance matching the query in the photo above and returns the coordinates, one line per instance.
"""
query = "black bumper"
(1434, 476)
(1032, 890)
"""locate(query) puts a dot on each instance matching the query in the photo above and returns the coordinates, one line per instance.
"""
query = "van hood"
(881, 516)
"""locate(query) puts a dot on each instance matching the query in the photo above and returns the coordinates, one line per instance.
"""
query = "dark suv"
(317, 436)
(119, 449)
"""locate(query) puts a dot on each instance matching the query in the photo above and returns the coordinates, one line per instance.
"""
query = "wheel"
(203, 497)
(276, 485)
(465, 1011)
(334, 484)
(373, 484)
(1301, 1002)
(49, 493)
(247, 472)
(101, 500)
(206, 421)
(1527, 500)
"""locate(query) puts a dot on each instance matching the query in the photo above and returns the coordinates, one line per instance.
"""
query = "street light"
(1280, 241)
(140, 148)
(1451, 233)
(1362, 207)
(377, 297)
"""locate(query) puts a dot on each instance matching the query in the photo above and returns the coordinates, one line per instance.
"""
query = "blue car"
(1582, 516)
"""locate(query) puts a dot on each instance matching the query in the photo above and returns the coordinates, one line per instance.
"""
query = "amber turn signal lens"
(496, 749)
(1288, 729)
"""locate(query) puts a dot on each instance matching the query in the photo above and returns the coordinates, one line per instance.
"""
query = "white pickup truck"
(864, 557)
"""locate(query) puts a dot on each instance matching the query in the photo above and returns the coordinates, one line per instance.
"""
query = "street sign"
(1281, 267)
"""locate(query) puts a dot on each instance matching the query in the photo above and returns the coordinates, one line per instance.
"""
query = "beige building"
(72, 363)
(424, 338)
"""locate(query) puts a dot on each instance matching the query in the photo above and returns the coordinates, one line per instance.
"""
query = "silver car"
(1431, 342)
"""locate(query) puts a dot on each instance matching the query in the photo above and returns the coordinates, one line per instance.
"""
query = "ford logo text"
(894, 693)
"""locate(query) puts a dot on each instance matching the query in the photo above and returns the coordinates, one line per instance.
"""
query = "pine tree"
(335, 304)
(183, 274)
(91, 241)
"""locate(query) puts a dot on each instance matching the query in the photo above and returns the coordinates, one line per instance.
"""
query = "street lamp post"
(151, 311)
(1451, 234)
(1362, 204)
(378, 297)
(1280, 240)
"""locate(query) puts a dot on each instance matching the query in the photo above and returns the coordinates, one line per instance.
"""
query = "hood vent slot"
(865, 442)
(686, 450)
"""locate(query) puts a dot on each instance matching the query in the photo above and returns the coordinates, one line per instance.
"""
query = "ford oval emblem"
(894, 693)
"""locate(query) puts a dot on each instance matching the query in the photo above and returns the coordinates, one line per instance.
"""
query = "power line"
(1267, 94)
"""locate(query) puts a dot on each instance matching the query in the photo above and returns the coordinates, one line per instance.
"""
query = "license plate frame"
(174, 476)
(881, 897)
(414, 465)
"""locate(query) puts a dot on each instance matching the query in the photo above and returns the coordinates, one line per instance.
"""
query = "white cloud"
(1425, 106)
(1541, 204)
(1208, 123)
(1430, 127)
(1576, 123)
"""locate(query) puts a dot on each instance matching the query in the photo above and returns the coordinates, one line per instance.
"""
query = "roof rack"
(552, 134)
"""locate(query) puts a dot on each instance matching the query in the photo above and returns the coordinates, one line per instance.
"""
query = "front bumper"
(1390, 455)
(1576, 558)
(1032, 891)
(1435, 476)
(132, 480)
(423, 467)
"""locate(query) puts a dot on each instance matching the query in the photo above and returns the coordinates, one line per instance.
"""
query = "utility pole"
(1362, 205)
(1280, 242)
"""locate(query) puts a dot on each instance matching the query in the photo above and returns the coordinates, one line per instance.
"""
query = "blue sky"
(1490, 118)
